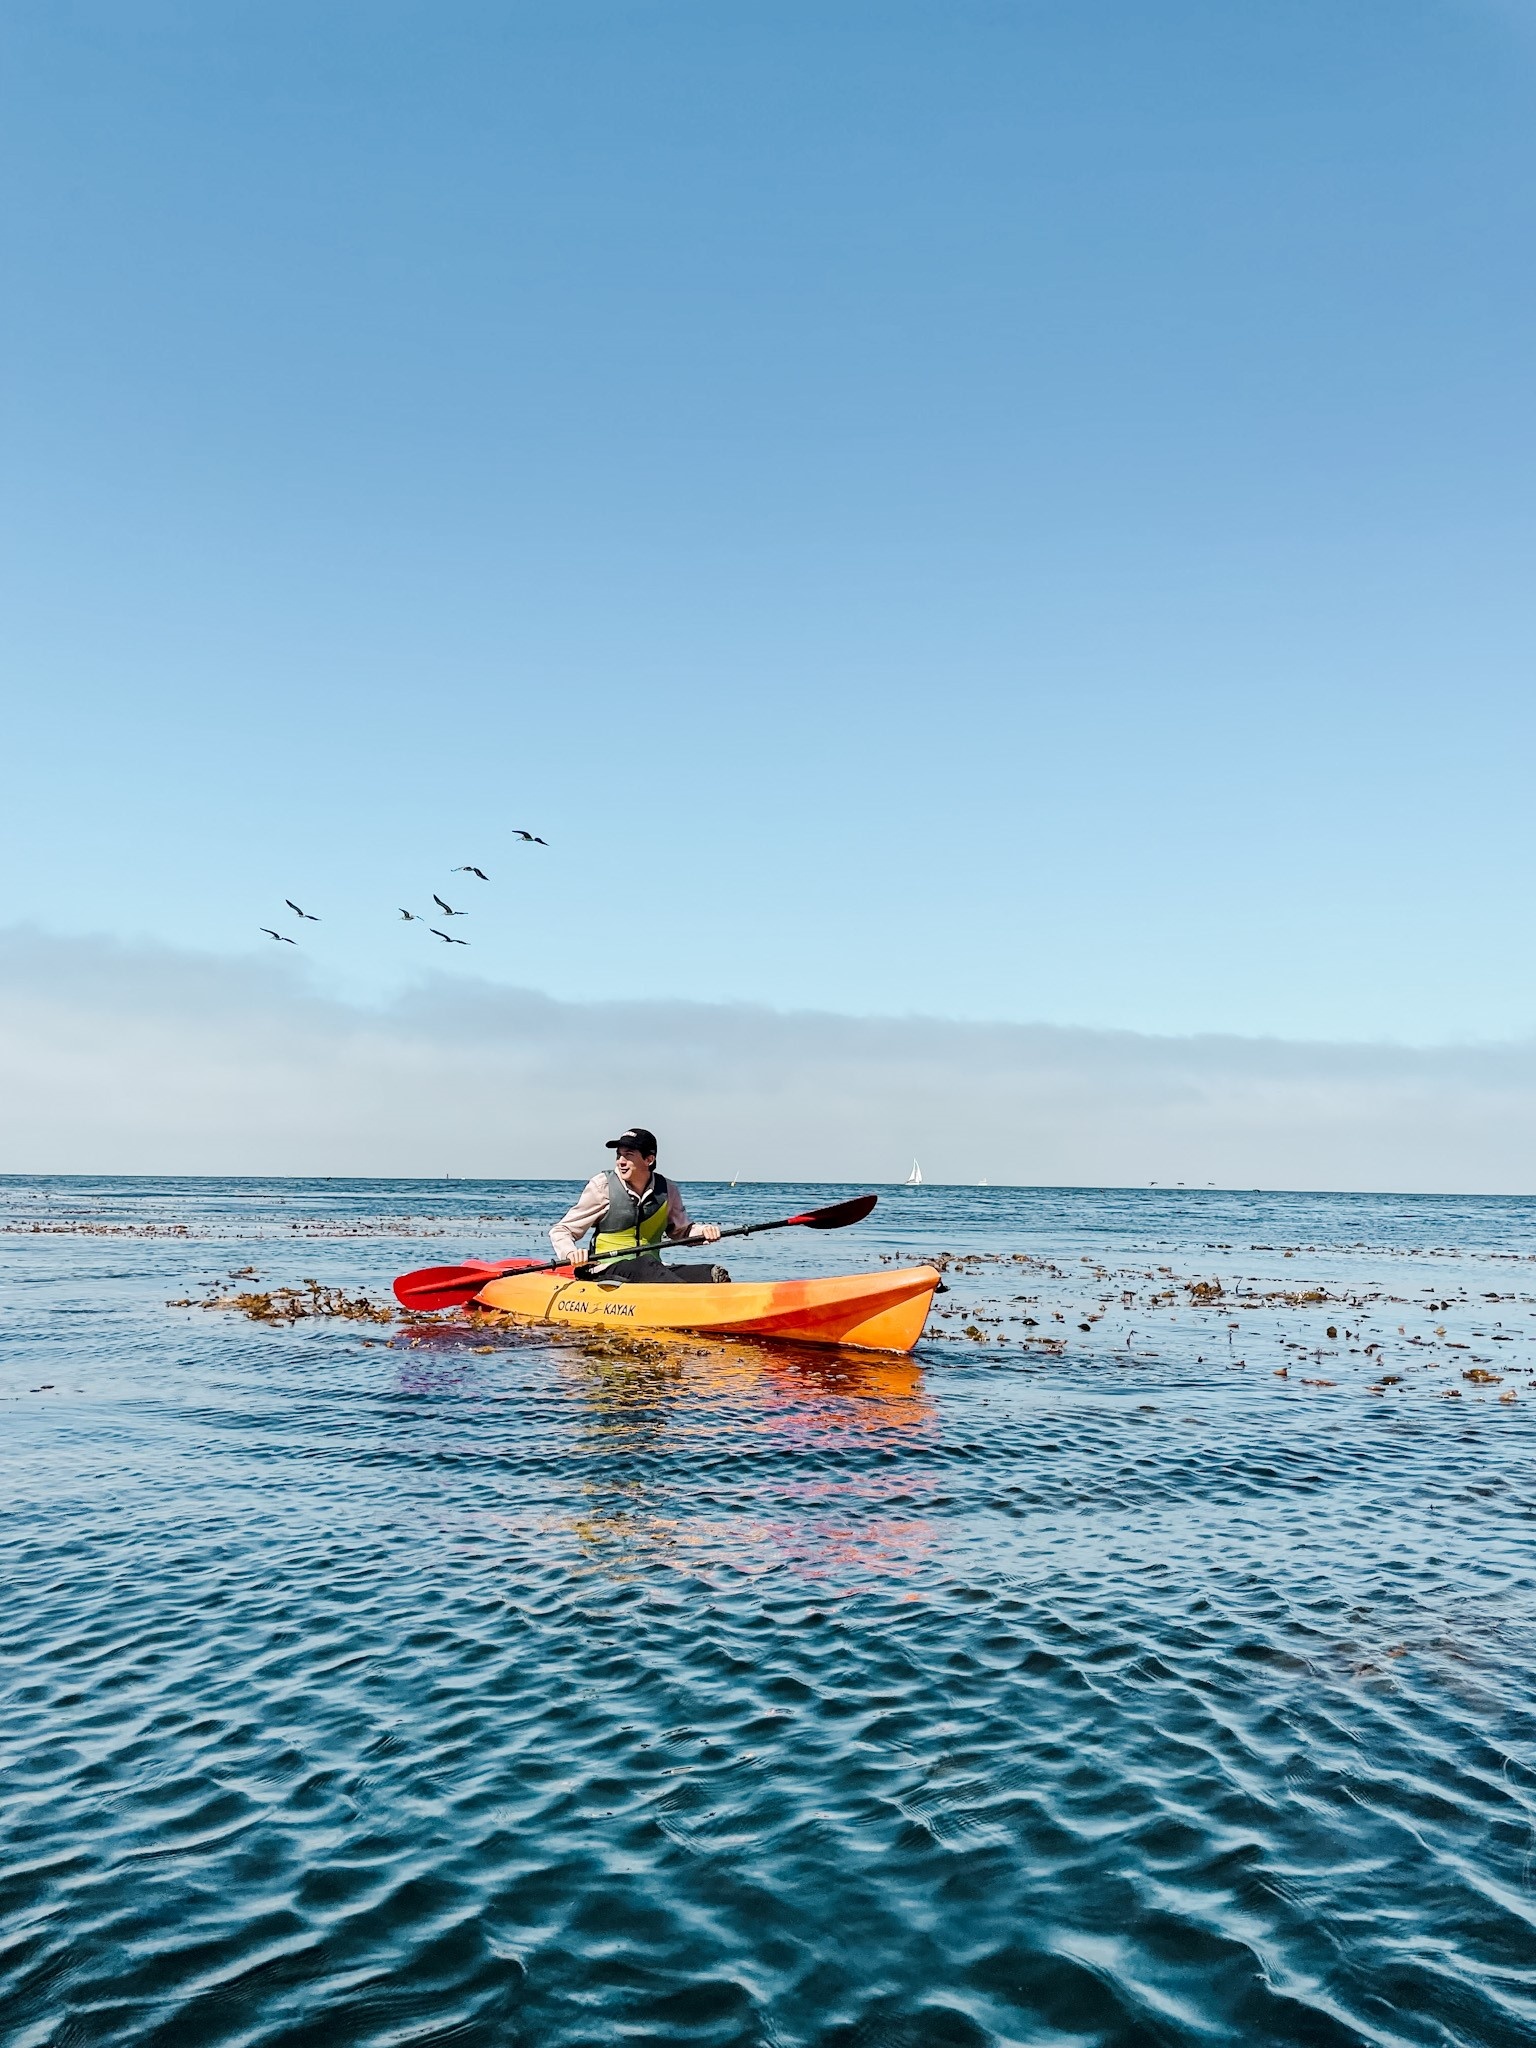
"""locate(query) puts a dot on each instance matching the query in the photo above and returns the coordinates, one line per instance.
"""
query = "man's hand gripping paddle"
(449, 1286)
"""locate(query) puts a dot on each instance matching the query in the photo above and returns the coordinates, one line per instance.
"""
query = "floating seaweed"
(284, 1305)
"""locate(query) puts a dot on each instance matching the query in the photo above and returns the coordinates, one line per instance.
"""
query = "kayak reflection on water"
(633, 1210)
(657, 1418)
(821, 1391)
(778, 1387)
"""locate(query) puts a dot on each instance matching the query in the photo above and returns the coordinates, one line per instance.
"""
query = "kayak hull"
(864, 1311)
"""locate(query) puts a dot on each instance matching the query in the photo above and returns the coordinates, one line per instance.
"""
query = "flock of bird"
(411, 916)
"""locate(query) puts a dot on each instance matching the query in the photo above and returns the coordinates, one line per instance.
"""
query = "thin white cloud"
(118, 1058)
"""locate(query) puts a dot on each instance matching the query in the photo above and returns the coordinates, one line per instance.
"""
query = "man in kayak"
(634, 1210)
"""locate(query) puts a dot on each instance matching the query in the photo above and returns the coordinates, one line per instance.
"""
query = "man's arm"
(680, 1227)
(590, 1206)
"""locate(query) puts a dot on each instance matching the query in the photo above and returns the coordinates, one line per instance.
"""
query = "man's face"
(633, 1168)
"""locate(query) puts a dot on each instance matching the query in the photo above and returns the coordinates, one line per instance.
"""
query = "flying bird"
(447, 909)
(473, 871)
(410, 917)
(282, 938)
(300, 913)
(432, 928)
(531, 838)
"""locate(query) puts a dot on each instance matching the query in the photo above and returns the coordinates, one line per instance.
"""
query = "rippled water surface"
(1151, 1658)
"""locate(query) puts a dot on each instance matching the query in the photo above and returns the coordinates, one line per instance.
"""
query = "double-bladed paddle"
(448, 1286)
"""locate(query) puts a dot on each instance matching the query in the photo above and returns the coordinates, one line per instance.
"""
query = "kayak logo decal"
(588, 1308)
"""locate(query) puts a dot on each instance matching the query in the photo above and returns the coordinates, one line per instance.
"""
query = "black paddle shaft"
(836, 1217)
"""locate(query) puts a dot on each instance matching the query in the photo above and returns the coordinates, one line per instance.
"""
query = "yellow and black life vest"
(633, 1227)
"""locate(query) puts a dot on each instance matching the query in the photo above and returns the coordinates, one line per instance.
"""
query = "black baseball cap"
(636, 1139)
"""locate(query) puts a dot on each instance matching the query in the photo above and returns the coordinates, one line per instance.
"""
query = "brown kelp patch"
(1339, 1329)
(286, 1305)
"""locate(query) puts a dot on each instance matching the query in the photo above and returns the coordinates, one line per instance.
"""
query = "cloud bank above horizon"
(123, 1058)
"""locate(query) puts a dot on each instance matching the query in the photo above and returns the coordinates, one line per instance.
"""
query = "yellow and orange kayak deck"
(866, 1311)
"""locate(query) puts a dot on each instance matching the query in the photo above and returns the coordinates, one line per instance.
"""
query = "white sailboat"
(915, 1178)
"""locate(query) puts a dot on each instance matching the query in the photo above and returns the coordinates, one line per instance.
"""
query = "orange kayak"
(867, 1311)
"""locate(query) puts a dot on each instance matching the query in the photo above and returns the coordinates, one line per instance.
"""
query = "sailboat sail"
(915, 1177)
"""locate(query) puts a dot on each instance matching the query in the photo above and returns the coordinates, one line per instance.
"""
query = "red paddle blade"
(447, 1286)
(840, 1215)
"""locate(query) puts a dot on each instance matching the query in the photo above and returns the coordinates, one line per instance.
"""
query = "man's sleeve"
(679, 1223)
(590, 1205)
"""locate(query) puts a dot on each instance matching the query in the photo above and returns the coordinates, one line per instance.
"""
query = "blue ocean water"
(1151, 1658)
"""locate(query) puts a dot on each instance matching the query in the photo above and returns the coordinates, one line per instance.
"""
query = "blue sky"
(1015, 512)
